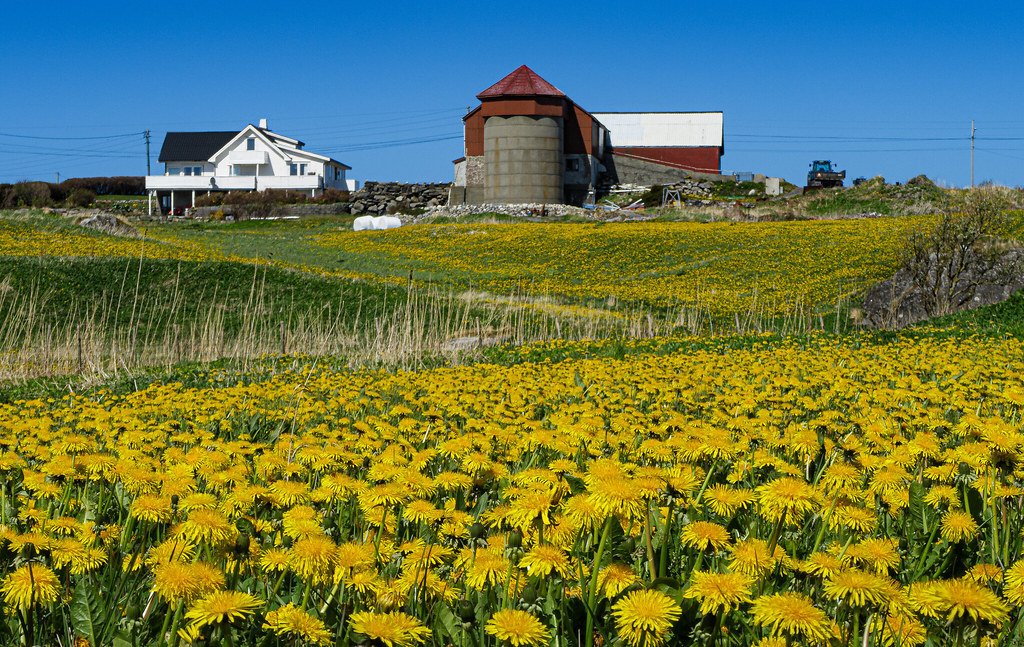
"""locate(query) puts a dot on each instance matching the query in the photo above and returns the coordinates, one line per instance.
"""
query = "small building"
(252, 159)
(527, 142)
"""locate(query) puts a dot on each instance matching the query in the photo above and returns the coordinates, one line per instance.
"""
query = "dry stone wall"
(379, 198)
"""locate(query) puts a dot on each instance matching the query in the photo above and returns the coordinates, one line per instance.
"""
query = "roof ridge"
(521, 82)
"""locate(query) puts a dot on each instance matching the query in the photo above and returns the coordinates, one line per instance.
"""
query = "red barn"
(527, 142)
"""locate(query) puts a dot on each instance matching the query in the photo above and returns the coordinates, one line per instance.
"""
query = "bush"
(118, 185)
(966, 246)
(31, 194)
(79, 197)
(253, 204)
(273, 196)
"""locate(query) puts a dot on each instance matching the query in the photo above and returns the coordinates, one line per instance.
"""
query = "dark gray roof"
(194, 147)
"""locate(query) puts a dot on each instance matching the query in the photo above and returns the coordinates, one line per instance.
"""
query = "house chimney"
(263, 124)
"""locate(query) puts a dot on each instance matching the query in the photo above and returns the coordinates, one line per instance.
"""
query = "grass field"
(269, 448)
(725, 268)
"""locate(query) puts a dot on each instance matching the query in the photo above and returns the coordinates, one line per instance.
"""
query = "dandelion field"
(611, 485)
(814, 492)
(722, 267)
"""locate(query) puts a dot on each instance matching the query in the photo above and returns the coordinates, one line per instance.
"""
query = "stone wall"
(378, 198)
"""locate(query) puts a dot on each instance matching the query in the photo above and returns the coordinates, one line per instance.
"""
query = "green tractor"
(823, 176)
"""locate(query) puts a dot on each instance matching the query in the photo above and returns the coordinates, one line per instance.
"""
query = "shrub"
(118, 185)
(31, 194)
(79, 197)
(966, 247)
(252, 204)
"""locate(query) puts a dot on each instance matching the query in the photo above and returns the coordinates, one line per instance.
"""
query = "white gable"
(673, 129)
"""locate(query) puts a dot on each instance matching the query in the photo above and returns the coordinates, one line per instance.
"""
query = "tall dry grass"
(420, 324)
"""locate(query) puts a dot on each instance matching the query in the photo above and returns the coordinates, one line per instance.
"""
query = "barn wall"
(703, 160)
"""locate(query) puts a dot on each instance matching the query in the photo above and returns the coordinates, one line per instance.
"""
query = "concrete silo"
(523, 158)
(527, 143)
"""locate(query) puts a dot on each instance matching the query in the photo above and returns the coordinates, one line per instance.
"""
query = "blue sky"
(880, 88)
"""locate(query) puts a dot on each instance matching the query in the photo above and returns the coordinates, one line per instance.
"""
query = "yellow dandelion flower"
(30, 585)
(544, 559)
(395, 629)
(179, 582)
(79, 557)
(292, 622)
(222, 607)
(986, 574)
(726, 501)
(703, 535)
(313, 558)
(616, 578)
(822, 565)
(485, 568)
(878, 553)
(1013, 583)
(792, 614)
(421, 511)
(205, 526)
(965, 598)
(274, 560)
(152, 508)
(517, 628)
(719, 591)
(645, 618)
(786, 497)
(751, 557)
(852, 518)
(860, 588)
(958, 526)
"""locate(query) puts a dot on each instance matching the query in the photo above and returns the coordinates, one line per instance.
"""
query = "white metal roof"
(663, 128)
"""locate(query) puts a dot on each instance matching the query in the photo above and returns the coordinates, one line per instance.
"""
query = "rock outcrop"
(902, 300)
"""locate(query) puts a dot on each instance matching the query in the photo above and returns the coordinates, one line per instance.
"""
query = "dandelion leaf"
(86, 615)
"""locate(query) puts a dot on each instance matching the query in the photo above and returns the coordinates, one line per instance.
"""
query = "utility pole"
(146, 133)
(972, 153)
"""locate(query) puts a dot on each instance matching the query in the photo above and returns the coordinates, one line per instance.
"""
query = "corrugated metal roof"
(193, 147)
(663, 128)
(522, 82)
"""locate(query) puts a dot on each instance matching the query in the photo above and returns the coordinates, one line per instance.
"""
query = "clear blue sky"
(882, 88)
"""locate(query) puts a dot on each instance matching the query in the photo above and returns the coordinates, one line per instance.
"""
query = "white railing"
(233, 182)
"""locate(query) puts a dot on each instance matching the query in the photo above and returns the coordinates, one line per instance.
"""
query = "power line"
(70, 138)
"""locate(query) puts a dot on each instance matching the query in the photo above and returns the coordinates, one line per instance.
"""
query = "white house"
(253, 159)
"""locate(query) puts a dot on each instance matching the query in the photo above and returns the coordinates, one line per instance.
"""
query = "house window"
(293, 169)
(302, 169)
(572, 165)
(188, 170)
(174, 171)
(250, 144)
(197, 170)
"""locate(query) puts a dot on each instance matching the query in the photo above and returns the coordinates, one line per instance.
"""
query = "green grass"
(833, 202)
(165, 293)
(1006, 318)
(287, 241)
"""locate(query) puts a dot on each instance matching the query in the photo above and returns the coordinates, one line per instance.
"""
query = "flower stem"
(592, 598)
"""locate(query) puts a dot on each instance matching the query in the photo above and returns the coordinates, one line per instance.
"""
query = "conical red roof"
(523, 82)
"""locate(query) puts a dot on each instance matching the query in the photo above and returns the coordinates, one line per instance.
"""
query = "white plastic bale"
(386, 222)
(363, 223)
